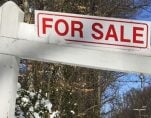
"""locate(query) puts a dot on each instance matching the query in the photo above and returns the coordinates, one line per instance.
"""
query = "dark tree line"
(133, 101)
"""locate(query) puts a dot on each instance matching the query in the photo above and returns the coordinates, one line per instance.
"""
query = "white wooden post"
(10, 16)
(8, 84)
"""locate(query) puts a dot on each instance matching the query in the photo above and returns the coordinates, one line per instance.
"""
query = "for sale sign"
(94, 31)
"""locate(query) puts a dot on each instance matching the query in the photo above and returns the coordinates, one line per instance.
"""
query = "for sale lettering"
(93, 30)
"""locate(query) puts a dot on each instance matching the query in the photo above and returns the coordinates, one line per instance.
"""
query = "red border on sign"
(84, 17)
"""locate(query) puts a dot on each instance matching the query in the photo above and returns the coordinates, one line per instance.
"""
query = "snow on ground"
(25, 101)
(54, 114)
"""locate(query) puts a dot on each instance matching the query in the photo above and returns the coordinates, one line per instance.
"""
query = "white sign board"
(94, 31)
